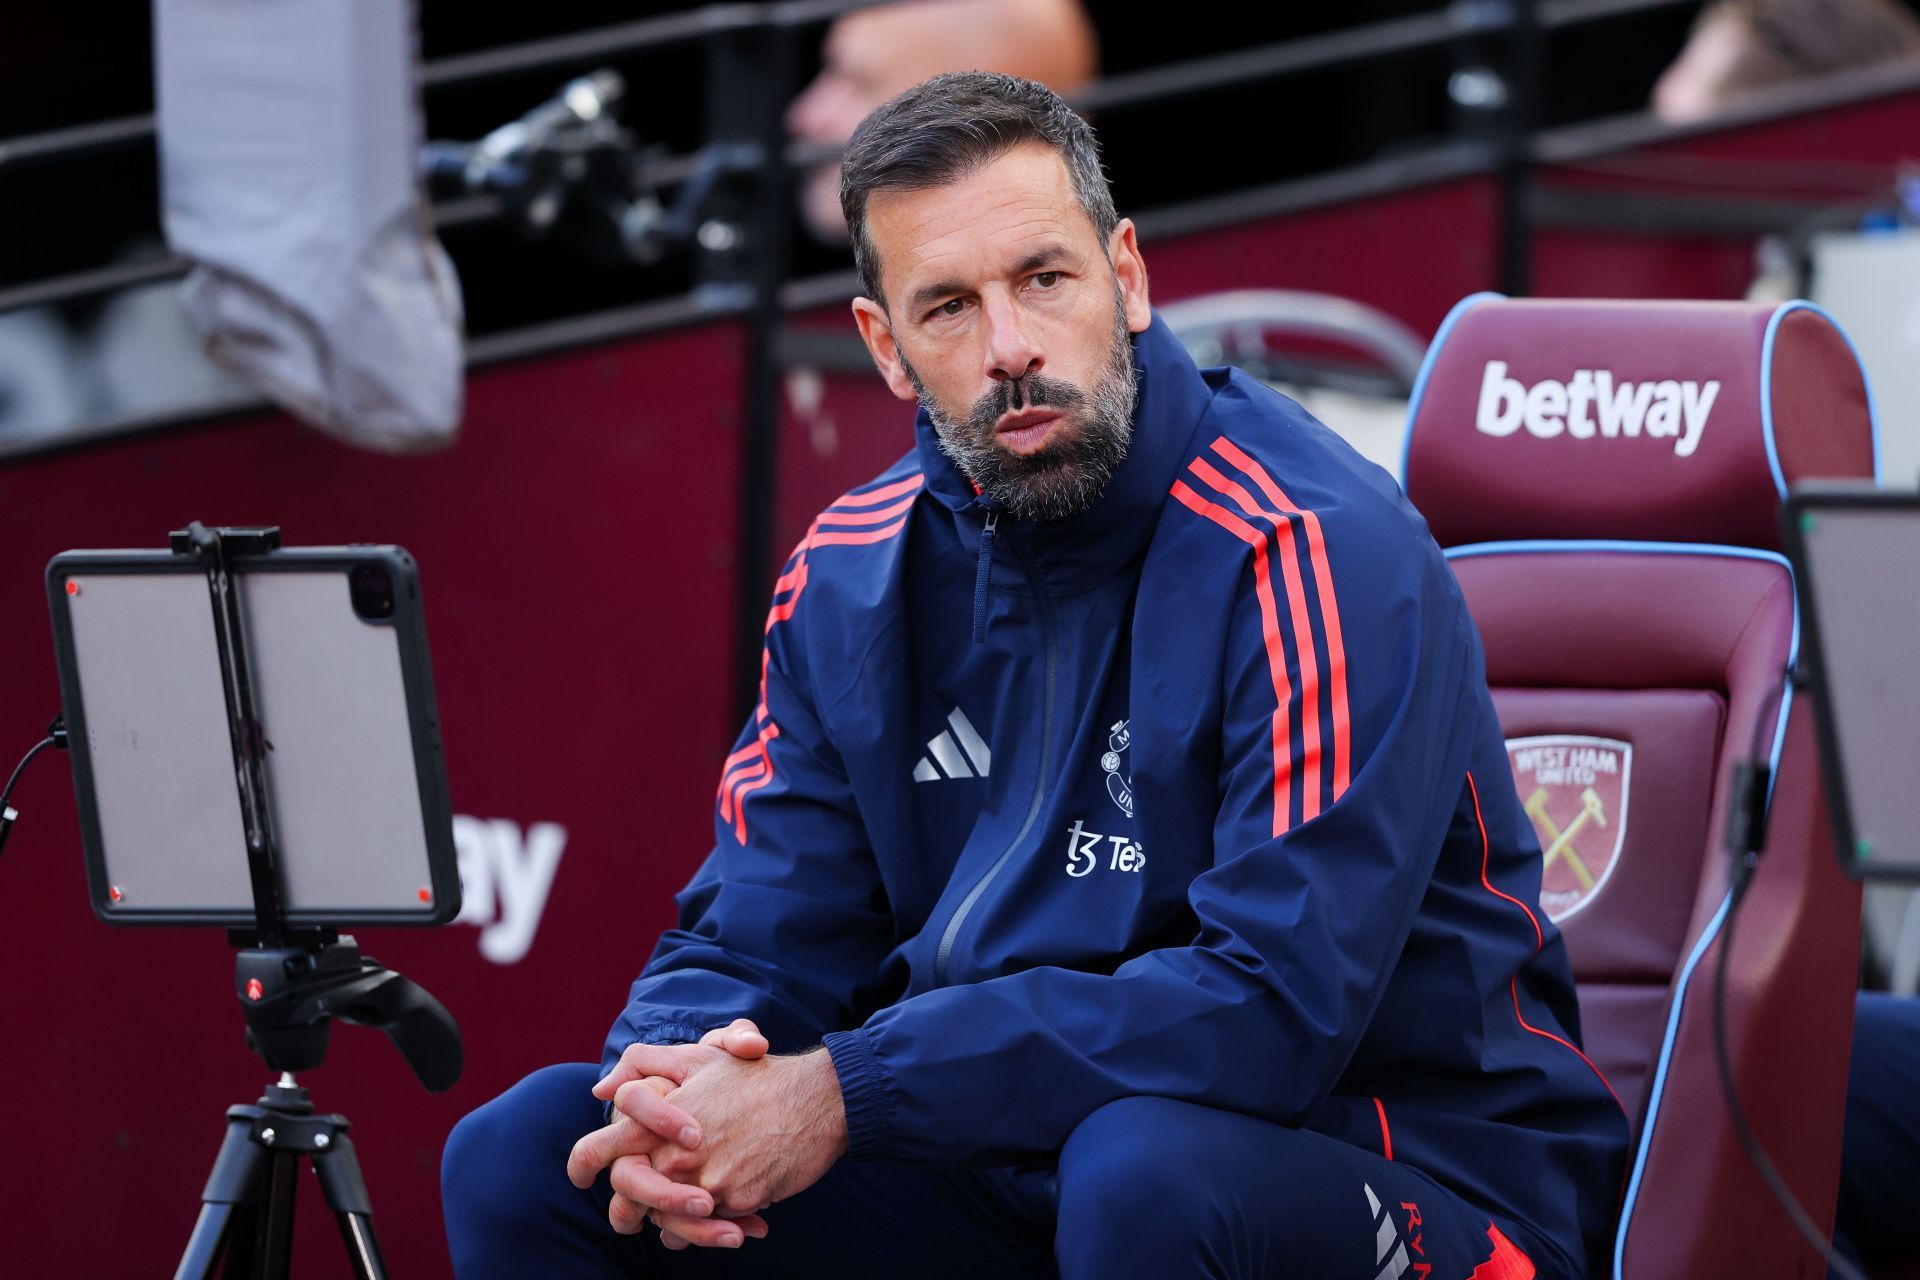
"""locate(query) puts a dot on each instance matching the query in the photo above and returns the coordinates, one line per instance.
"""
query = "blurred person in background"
(872, 54)
(1738, 46)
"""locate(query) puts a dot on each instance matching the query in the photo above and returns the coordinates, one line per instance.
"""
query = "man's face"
(1008, 319)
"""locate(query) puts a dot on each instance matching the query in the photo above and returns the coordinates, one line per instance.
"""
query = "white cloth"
(290, 134)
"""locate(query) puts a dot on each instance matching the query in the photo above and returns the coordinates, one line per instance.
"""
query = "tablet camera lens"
(372, 591)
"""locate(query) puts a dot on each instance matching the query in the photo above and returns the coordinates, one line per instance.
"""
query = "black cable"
(7, 793)
(1730, 1090)
(56, 737)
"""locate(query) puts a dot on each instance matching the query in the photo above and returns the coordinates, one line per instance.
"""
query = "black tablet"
(355, 782)
(1856, 562)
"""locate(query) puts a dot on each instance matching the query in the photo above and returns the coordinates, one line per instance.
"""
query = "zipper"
(983, 577)
(1044, 604)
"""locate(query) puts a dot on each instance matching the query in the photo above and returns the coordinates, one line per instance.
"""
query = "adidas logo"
(947, 748)
(1386, 1241)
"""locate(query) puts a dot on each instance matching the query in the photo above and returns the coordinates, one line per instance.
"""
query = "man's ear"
(877, 332)
(1130, 269)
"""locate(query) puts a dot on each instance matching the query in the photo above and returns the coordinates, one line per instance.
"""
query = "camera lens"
(371, 590)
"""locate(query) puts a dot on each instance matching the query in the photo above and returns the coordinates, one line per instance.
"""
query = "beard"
(1089, 440)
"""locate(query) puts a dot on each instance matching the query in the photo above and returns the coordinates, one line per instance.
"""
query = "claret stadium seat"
(1606, 478)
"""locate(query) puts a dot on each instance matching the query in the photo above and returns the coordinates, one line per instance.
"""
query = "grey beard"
(1064, 478)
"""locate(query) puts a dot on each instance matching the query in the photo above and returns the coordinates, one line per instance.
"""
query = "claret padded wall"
(576, 548)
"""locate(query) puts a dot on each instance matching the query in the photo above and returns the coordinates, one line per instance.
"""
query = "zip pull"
(984, 577)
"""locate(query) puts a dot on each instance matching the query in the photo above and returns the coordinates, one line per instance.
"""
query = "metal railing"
(1192, 77)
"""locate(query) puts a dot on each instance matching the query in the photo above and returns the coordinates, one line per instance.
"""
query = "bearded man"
(1122, 864)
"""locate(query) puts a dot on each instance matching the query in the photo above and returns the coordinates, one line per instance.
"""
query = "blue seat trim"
(1766, 389)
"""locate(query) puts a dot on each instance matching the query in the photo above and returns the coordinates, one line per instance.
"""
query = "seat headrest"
(1651, 421)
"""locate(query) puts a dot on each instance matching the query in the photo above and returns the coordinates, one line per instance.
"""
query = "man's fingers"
(602, 1147)
(634, 1178)
(713, 1233)
(741, 1038)
(626, 1216)
(640, 1060)
(638, 1100)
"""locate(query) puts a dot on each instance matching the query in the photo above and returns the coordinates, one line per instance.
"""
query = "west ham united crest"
(1575, 790)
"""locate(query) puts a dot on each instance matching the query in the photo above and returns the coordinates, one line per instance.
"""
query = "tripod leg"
(276, 1216)
(226, 1204)
(205, 1245)
(346, 1194)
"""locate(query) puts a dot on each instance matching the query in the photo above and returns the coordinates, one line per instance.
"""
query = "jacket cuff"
(866, 1091)
(673, 1033)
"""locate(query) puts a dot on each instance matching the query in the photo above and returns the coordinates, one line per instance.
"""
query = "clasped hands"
(705, 1136)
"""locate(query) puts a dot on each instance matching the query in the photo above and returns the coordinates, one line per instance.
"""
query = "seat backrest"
(1606, 478)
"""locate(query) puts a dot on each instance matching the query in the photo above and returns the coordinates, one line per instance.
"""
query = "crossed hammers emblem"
(1560, 842)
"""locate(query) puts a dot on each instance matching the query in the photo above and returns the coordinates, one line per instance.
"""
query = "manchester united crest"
(1119, 785)
(1575, 790)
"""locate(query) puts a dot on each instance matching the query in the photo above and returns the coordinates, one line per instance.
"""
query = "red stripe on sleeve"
(1270, 630)
(860, 539)
(1302, 631)
(879, 515)
(751, 768)
(1329, 605)
(874, 497)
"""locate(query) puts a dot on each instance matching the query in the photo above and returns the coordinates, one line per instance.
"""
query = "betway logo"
(504, 880)
(1591, 404)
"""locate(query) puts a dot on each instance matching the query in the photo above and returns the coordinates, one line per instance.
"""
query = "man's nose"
(1012, 351)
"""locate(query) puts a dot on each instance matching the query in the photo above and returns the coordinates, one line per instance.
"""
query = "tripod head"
(291, 994)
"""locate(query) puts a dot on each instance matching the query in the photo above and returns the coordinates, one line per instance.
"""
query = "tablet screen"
(1861, 570)
(353, 781)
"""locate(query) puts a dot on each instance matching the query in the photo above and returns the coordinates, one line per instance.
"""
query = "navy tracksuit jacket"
(1198, 794)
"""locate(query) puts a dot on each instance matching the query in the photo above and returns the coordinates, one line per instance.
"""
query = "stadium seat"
(1606, 479)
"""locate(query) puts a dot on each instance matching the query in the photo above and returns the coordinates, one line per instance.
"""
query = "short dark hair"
(946, 128)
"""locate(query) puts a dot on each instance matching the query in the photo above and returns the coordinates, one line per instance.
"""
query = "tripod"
(292, 983)
(247, 1209)
(289, 995)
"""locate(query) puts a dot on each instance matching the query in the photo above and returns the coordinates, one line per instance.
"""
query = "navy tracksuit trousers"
(1880, 1161)
(1144, 1187)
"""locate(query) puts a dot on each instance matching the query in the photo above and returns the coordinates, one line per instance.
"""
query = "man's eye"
(951, 307)
(1047, 279)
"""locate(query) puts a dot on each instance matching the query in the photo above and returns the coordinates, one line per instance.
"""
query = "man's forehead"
(987, 219)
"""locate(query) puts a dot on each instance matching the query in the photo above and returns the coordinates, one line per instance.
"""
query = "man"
(871, 54)
(1125, 811)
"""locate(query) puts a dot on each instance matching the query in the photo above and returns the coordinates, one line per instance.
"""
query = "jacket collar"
(1092, 546)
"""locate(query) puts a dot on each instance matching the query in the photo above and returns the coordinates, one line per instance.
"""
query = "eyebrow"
(1039, 260)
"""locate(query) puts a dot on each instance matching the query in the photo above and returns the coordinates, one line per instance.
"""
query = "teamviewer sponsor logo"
(1592, 405)
(957, 751)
